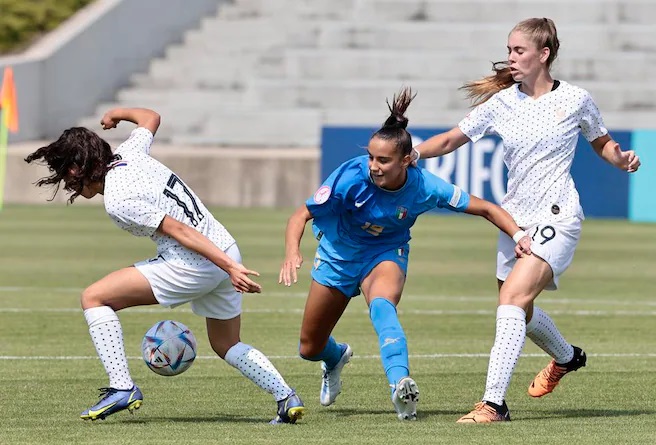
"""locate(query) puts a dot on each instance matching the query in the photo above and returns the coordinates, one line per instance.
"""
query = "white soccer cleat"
(331, 383)
(405, 398)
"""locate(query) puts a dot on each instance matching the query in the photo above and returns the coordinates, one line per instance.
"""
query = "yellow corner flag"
(8, 122)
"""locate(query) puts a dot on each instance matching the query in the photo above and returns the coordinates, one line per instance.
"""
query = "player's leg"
(382, 288)
(556, 244)
(254, 365)
(323, 309)
(221, 308)
(118, 290)
(528, 277)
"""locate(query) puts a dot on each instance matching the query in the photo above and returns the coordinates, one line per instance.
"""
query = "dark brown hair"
(394, 128)
(79, 155)
(542, 32)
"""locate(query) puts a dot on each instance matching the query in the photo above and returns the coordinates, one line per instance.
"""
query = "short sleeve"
(330, 197)
(591, 122)
(478, 122)
(140, 140)
(136, 216)
(445, 195)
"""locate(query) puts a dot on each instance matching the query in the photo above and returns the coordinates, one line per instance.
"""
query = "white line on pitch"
(294, 357)
(161, 310)
(450, 298)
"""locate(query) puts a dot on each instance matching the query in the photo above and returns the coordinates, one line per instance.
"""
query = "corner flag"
(8, 122)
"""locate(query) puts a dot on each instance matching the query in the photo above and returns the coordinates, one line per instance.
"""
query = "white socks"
(255, 366)
(542, 330)
(508, 344)
(107, 337)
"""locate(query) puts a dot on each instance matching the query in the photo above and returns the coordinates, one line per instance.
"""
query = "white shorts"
(208, 288)
(555, 243)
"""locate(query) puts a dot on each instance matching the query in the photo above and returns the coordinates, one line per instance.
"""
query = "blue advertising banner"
(479, 169)
(642, 198)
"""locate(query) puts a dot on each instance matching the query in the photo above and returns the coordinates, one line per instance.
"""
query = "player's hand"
(626, 160)
(108, 121)
(240, 280)
(288, 274)
(523, 247)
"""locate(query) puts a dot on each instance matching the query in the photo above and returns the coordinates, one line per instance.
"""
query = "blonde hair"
(542, 32)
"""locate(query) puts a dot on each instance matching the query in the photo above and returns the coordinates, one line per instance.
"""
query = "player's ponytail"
(394, 127)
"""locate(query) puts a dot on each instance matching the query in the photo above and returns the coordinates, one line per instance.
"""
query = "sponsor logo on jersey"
(322, 195)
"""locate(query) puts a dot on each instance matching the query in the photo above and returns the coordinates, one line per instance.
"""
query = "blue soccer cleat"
(114, 400)
(331, 383)
(289, 410)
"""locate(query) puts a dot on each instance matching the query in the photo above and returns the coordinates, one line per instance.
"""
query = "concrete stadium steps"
(268, 33)
(270, 128)
(271, 73)
(447, 11)
(224, 126)
(190, 69)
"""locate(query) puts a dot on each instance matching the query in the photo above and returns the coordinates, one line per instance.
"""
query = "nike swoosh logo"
(100, 411)
(359, 204)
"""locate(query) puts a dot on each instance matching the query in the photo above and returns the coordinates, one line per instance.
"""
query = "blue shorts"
(346, 276)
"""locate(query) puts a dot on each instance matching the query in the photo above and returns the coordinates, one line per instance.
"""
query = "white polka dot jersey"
(539, 138)
(140, 191)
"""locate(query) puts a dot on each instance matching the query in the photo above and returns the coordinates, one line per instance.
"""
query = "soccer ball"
(169, 348)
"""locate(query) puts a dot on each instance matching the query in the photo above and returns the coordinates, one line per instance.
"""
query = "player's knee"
(309, 348)
(515, 297)
(90, 298)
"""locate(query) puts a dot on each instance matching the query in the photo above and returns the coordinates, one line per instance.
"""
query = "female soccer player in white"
(539, 120)
(197, 260)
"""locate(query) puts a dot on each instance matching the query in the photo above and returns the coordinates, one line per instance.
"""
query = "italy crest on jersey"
(401, 212)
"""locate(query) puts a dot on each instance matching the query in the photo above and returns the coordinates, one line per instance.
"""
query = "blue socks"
(393, 344)
(331, 354)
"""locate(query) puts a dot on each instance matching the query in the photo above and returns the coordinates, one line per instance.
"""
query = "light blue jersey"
(354, 218)
(359, 224)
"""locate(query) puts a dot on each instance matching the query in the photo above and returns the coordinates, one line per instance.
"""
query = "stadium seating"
(270, 73)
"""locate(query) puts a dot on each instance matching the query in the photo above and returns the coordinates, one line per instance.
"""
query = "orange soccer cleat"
(487, 412)
(549, 377)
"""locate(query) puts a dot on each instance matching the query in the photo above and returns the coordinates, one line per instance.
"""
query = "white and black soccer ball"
(169, 348)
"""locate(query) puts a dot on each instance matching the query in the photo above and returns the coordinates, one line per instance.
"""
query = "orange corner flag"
(8, 104)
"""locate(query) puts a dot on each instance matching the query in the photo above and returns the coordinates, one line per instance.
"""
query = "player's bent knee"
(90, 298)
(308, 349)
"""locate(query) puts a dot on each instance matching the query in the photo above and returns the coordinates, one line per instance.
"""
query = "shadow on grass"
(205, 419)
(520, 415)
(579, 413)
(421, 413)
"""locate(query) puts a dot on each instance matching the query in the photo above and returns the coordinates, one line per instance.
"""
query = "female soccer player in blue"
(362, 217)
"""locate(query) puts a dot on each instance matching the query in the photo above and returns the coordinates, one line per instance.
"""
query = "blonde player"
(539, 120)
(197, 262)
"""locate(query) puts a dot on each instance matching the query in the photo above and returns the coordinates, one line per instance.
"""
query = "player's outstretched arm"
(610, 151)
(196, 241)
(441, 144)
(142, 117)
(293, 234)
(502, 219)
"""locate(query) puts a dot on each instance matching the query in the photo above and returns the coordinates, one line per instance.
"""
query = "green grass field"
(49, 372)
